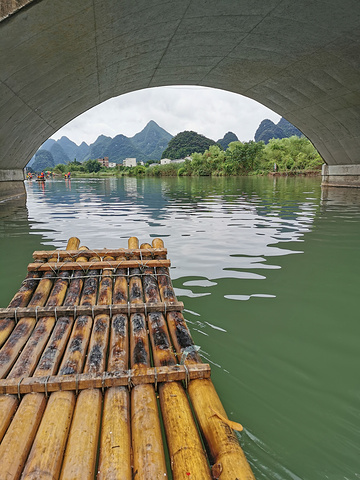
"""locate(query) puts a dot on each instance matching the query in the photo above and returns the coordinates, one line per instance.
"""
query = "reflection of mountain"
(106, 198)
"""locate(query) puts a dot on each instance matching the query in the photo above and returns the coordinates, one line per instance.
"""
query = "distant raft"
(95, 356)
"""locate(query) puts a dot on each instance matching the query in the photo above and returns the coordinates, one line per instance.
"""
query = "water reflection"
(253, 222)
(268, 271)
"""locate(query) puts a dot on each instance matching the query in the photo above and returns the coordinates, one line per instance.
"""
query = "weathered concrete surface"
(301, 59)
(9, 7)
(341, 175)
(11, 183)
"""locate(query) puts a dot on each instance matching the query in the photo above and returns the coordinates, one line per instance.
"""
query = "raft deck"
(100, 378)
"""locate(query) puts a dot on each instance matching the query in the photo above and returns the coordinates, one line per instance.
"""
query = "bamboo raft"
(96, 363)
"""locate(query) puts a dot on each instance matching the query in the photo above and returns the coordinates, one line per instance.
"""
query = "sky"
(207, 111)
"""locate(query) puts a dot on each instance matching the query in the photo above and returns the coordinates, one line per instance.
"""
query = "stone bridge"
(61, 57)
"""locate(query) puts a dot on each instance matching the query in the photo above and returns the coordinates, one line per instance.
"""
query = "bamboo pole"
(148, 451)
(47, 452)
(81, 450)
(94, 265)
(185, 448)
(80, 454)
(227, 455)
(120, 253)
(19, 437)
(230, 460)
(8, 404)
(93, 310)
(29, 357)
(115, 440)
(21, 299)
(22, 331)
(138, 376)
(50, 359)
(13, 345)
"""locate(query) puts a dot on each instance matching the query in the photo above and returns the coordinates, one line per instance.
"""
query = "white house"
(165, 161)
(129, 162)
(112, 164)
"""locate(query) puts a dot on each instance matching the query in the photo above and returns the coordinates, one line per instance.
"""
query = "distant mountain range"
(268, 130)
(145, 145)
(149, 144)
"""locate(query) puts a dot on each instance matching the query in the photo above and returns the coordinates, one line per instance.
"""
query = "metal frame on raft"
(94, 354)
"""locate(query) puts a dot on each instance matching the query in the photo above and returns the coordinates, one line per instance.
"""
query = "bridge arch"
(301, 59)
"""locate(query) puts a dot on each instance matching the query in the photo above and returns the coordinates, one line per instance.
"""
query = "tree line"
(284, 156)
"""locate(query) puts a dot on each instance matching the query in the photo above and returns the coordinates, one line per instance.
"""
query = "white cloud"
(207, 111)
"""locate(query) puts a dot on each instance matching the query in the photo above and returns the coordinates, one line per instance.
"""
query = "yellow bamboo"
(9, 403)
(50, 359)
(230, 460)
(19, 437)
(25, 292)
(137, 376)
(74, 356)
(158, 243)
(119, 338)
(95, 265)
(27, 361)
(81, 450)
(61, 254)
(64, 435)
(226, 454)
(187, 455)
(23, 329)
(80, 454)
(147, 445)
(8, 406)
(20, 299)
(115, 441)
(17, 442)
(133, 243)
(46, 455)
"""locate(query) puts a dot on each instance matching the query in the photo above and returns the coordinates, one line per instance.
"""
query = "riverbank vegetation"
(286, 156)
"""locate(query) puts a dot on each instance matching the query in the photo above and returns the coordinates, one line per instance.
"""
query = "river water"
(268, 270)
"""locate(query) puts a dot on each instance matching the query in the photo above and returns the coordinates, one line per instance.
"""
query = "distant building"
(179, 160)
(129, 162)
(104, 161)
(112, 164)
(166, 161)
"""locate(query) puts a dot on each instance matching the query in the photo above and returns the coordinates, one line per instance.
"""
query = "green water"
(269, 274)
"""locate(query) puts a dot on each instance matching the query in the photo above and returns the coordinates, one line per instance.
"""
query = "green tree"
(185, 143)
(75, 166)
(60, 168)
(92, 166)
(139, 170)
(291, 154)
(246, 155)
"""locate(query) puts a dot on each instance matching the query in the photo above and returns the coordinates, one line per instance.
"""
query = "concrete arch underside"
(301, 59)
